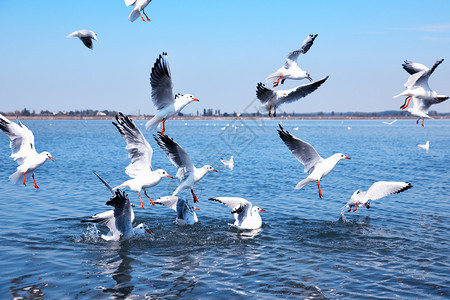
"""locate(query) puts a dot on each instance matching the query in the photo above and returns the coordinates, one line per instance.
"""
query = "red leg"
(270, 109)
(423, 119)
(24, 179)
(356, 207)
(151, 201)
(162, 126)
(141, 17)
(320, 192)
(142, 203)
(417, 122)
(405, 105)
(349, 208)
(148, 19)
(274, 111)
(275, 84)
(195, 197)
(35, 185)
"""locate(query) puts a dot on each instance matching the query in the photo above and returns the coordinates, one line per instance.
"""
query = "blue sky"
(217, 51)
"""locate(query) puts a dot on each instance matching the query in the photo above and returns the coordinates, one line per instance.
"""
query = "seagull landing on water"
(315, 165)
(246, 215)
(270, 98)
(140, 152)
(422, 106)
(187, 172)
(291, 70)
(138, 6)
(425, 146)
(185, 213)
(378, 190)
(228, 163)
(86, 36)
(22, 150)
(162, 94)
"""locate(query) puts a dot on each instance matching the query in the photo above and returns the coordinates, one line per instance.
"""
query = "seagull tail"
(273, 77)
(129, 2)
(152, 123)
(16, 177)
(134, 15)
(302, 183)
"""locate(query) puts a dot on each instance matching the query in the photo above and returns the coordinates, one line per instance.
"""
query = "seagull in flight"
(86, 36)
(162, 94)
(140, 152)
(185, 212)
(378, 190)
(228, 163)
(390, 123)
(315, 165)
(290, 69)
(246, 215)
(187, 172)
(270, 98)
(22, 150)
(422, 106)
(138, 6)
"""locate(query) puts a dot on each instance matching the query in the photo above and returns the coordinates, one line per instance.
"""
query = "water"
(398, 248)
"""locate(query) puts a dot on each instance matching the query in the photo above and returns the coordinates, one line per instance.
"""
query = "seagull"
(185, 213)
(378, 190)
(422, 106)
(120, 220)
(140, 152)
(295, 128)
(390, 123)
(315, 165)
(246, 215)
(22, 150)
(86, 36)
(417, 84)
(187, 172)
(291, 70)
(162, 94)
(426, 146)
(139, 5)
(228, 163)
(273, 98)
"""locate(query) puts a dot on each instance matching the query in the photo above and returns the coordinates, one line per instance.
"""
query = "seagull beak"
(195, 99)
(196, 208)
(51, 158)
(149, 231)
(262, 209)
(347, 157)
(132, 205)
(169, 176)
(214, 170)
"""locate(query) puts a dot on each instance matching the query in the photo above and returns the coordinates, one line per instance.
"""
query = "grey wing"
(436, 64)
(161, 82)
(307, 43)
(418, 78)
(139, 150)
(21, 139)
(123, 212)
(87, 41)
(426, 103)
(303, 151)
(412, 67)
(302, 91)
(263, 93)
(235, 203)
(176, 155)
(381, 189)
(106, 219)
(168, 201)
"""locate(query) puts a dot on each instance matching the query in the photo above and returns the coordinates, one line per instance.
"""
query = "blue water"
(399, 248)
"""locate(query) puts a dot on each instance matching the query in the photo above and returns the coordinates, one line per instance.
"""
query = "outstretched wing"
(139, 150)
(381, 189)
(168, 201)
(106, 219)
(307, 43)
(302, 91)
(412, 67)
(161, 82)
(87, 41)
(436, 64)
(176, 155)
(303, 151)
(263, 93)
(122, 212)
(235, 203)
(22, 139)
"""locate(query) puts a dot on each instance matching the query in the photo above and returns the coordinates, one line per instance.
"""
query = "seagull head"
(94, 35)
(190, 98)
(209, 168)
(162, 173)
(142, 228)
(342, 156)
(257, 209)
(48, 155)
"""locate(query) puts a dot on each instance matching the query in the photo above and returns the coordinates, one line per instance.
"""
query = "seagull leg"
(148, 19)
(270, 109)
(320, 192)
(274, 111)
(141, 16)
(423, 119)
(275, 84)
(24, 179)
(162, 126)
(195, 197)
(35, 185)
(417, 122)
(349, 208)
(151, 201)
(356, 207)
(405, 105)
(142, 203)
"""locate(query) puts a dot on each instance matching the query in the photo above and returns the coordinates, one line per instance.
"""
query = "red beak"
(347, 157)
(195, 99)
(196, 208)
(169, 176)
(215, 170)
(149, 231)
(262, 209)
(51, 158)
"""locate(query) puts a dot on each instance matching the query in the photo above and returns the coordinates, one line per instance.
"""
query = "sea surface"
(399, 248)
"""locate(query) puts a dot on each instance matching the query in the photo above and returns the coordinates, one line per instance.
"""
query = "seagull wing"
(263, 93)
(176, 155)
(307, 43)
(436, 64)
(161, 82)
(105, 218)
(301, 91)
(87, 41)
(122, 213)
(412, 67)
(381, 189)
(168, 201)
(238, 205)
(303, 151)
(22, 139)
(139, 150)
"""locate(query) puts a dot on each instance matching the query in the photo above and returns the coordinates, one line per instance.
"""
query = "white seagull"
(378, 190)
(246, 216)
(187, 172)
(120, 220)
(389, 123)
(291, 70)
(315, 165)
(86, 36)
(162, 94)
(270, 98)
(228, 163)
(422, 106)
(139, 5)
(417, 84)
(185, 213)
(425, 146)
(140, 152)
(22, 150)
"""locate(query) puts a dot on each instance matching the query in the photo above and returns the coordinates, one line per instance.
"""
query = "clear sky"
(218, 51)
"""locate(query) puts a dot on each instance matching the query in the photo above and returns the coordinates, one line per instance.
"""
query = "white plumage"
(86, 36)
(228, 163)
(138, 6)
(246, 215)
(185, 212)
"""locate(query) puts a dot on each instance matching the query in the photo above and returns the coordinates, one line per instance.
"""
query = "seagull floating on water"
(315, 165)
(187, 172)
(422, 106)
(185, 213)
(162, 94)
(139, 5)
(23, 150)
(140, 152)
(378, 190)
(86, 36)
(228, 163)
(246, 216)
(291, 70)
(425, 146)
(270, 98)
